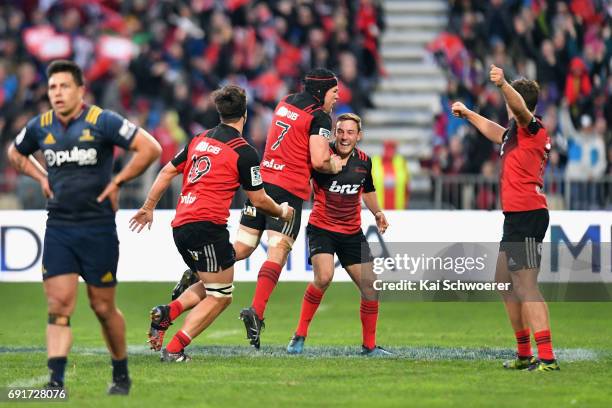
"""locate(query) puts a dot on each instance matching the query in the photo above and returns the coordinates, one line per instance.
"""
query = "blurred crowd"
(567, 47)
(157, 61)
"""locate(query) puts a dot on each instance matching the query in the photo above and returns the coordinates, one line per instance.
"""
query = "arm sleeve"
(26, 142)
(116, 129)
(321, 124)
(368, 185)
(248, 169)
(180, 159)
(534, 126)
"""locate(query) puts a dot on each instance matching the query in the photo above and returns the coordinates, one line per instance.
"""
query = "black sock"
(57, 366)
(120, 370)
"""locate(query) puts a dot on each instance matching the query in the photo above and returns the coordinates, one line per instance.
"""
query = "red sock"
(178, 342)
(369, 315)
(266, 282)
(176, 308)
(310, 304)
(544, 342)
(523, 343)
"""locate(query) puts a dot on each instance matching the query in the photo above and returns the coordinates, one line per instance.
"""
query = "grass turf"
(447, 354)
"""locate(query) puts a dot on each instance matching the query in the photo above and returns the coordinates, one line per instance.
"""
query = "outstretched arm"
(490, 129)
(513, 98)
(144, 216)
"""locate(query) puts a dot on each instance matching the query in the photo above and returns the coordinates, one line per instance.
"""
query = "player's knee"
(242, 251)
(279, 246)
(322, 281)
(221, 292)
(506, 294)
(523, 292)
(59, 306)
(367, 290)
(245, 244)
(278, 255)
(102, 309)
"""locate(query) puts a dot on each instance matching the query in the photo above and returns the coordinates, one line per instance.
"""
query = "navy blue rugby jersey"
(79, 157)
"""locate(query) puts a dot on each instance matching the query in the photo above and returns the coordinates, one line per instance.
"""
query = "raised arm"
(488, 128)
(513, 98)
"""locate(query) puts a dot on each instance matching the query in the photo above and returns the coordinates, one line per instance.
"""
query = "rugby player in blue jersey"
(77, 141)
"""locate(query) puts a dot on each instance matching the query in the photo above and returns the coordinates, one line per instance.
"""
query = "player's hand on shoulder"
(143, 218)
(336, 163)
(288, 212)
(111, 191)
(459, 109)
(381, 222)
(46, 189)
(497, 75)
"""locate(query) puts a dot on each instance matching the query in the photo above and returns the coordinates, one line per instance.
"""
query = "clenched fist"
(459, 110)
(496, 75)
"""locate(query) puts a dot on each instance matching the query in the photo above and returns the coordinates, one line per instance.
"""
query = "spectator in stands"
(586, 160)
(391, 177)
(578, 87)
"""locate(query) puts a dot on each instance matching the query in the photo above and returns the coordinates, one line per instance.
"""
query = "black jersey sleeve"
(321, 124)
(116, 129)
(248, 168)
(26, 141)
(534, 126)
(368, 184)
(179, 160)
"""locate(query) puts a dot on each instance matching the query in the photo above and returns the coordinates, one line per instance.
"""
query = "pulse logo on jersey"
(201, 166)
(83, 157)
(188, 199)
(207, 147)
(269, 164)
(283, 112)
(344, 188)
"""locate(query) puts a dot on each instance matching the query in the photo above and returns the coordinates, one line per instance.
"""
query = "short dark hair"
(529, 90)
(66, 66)
(230, 102)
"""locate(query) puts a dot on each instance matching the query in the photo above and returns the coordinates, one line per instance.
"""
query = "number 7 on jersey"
(285, 128)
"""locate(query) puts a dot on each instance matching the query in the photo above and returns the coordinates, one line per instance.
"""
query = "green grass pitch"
(447, 354)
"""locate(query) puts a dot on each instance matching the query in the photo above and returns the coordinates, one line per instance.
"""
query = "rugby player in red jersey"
(214, 165)
(524, 150)
(334, 227)
(298, 142)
